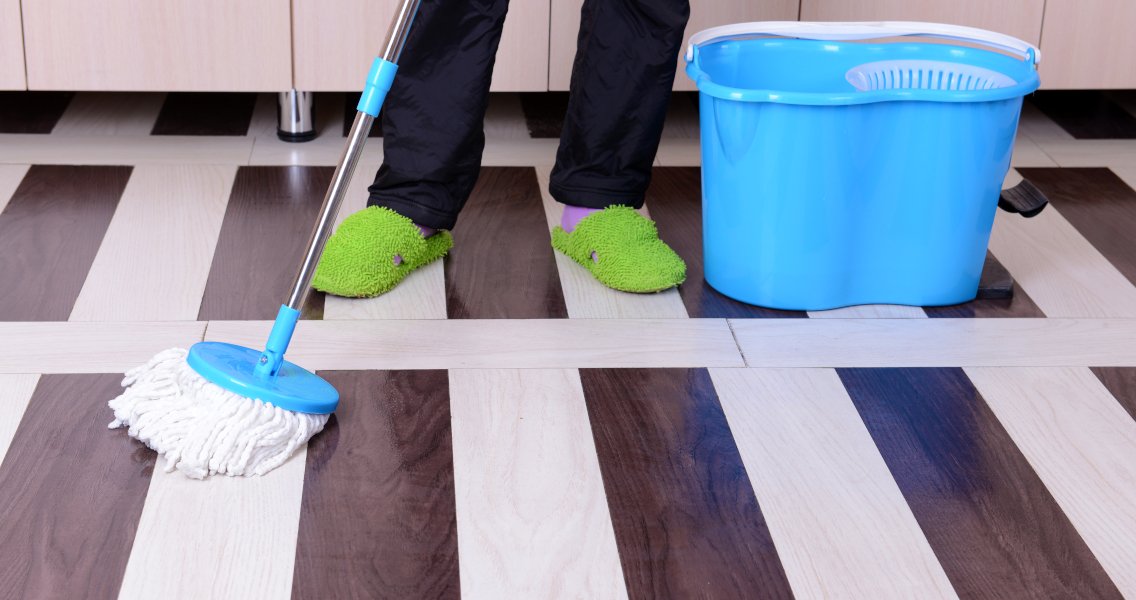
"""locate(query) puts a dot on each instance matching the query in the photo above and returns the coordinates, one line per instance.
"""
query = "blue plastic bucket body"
(817, 196)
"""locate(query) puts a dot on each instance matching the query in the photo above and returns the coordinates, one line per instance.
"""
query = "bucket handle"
(836, 31)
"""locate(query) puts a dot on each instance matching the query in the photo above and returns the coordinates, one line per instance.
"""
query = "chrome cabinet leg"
(294, 116)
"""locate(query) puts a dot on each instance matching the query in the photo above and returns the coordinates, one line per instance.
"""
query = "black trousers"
(433, 134)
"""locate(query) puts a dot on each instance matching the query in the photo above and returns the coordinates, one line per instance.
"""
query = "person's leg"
(433, 134)
(626, 57)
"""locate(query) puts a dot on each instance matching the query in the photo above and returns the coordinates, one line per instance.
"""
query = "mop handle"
(378, 83)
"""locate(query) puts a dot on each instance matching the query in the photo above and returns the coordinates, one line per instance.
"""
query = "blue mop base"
(294, 388)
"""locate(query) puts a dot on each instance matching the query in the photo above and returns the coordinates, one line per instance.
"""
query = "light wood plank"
(422, 295)
(156, 255)
(1126, 173)
(498, 343)
(1082, 443)
(532, 515)
(352, 31)
(840, 522)
(230, 537)
(870, 311)
(107, 113)
(1038, 127)
(1060, 270)
(703, 15)
(67, 347)
(10, 178)
(136, 45)
(1020, 19)
(587, 298)
(15, 391)
(1091, 153)
(11, 46)
(1088, 44)
(504, 119)
(936, 342)
(21, 148)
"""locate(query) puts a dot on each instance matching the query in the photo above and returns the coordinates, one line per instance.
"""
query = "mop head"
(203, 429)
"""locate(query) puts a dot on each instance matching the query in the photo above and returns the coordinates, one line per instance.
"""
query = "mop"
(225, 409)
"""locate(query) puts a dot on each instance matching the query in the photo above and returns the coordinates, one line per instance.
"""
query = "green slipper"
(372, 251)
(628, 254)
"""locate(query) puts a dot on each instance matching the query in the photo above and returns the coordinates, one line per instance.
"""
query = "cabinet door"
(11, 46)
(179, 45)
(1020, 18)
(335, 43)
(703, 14)
(1089, 44)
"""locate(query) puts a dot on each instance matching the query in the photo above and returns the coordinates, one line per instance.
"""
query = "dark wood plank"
(993, 525)
(675, 203)
(350, 108)
(686, 520)
(992, 300)
(378, 516)
(544, 113)
(1088, 114)
(263, 238)
(1099, 204)
(1121, 383)
(205, 113)
(32, 112)
(71, 493)
(502, 265)
(49, 235)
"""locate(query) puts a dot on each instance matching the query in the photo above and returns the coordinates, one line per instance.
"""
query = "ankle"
(426, 231)
(572, 216)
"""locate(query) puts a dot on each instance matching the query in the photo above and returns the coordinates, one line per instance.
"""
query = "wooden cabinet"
(335, 42)
(11, 46)
(703, 14)
(1089, 44)
(223, 45)
(1020, 18)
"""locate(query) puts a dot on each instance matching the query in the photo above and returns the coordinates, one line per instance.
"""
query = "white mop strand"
(203, 429)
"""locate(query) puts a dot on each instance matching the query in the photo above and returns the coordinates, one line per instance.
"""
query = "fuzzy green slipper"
(362, 256)
(629, 256)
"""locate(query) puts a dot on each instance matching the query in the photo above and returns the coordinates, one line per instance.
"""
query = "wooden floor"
(511, 429)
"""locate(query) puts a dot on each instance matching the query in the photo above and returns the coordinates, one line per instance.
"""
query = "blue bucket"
(838, 171)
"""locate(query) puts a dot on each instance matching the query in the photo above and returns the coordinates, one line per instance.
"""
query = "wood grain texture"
(69, 347)
(993, 275)
(995, 528)
(1062, 271)
(840, 522)
(49, 234)
(136, 45)
(10, 178)
(1073, 433)
(269, 217)
(531, 511)
(229, 537)
(1087, 45)
(1121, 382)
(675, 201)
(352, 31)
(502, 264)
(125, 150)
(1087, 114)
(936, 342)
(155, 257)
(870, 311)
(200, 113)
(15, 391)
(11, 47)
(499, 343)
(1100, 205)
(585, 297)
(71, 493)
(685, 516)
(31, 112)
(377, 518)
(111, 113)
(1021, 19)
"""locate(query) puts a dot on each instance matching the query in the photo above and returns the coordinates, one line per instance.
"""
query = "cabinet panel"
(11, 46)
(1021, 18)
(703, 14)
(175, 45)
(1089, 44)
(335, 43)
